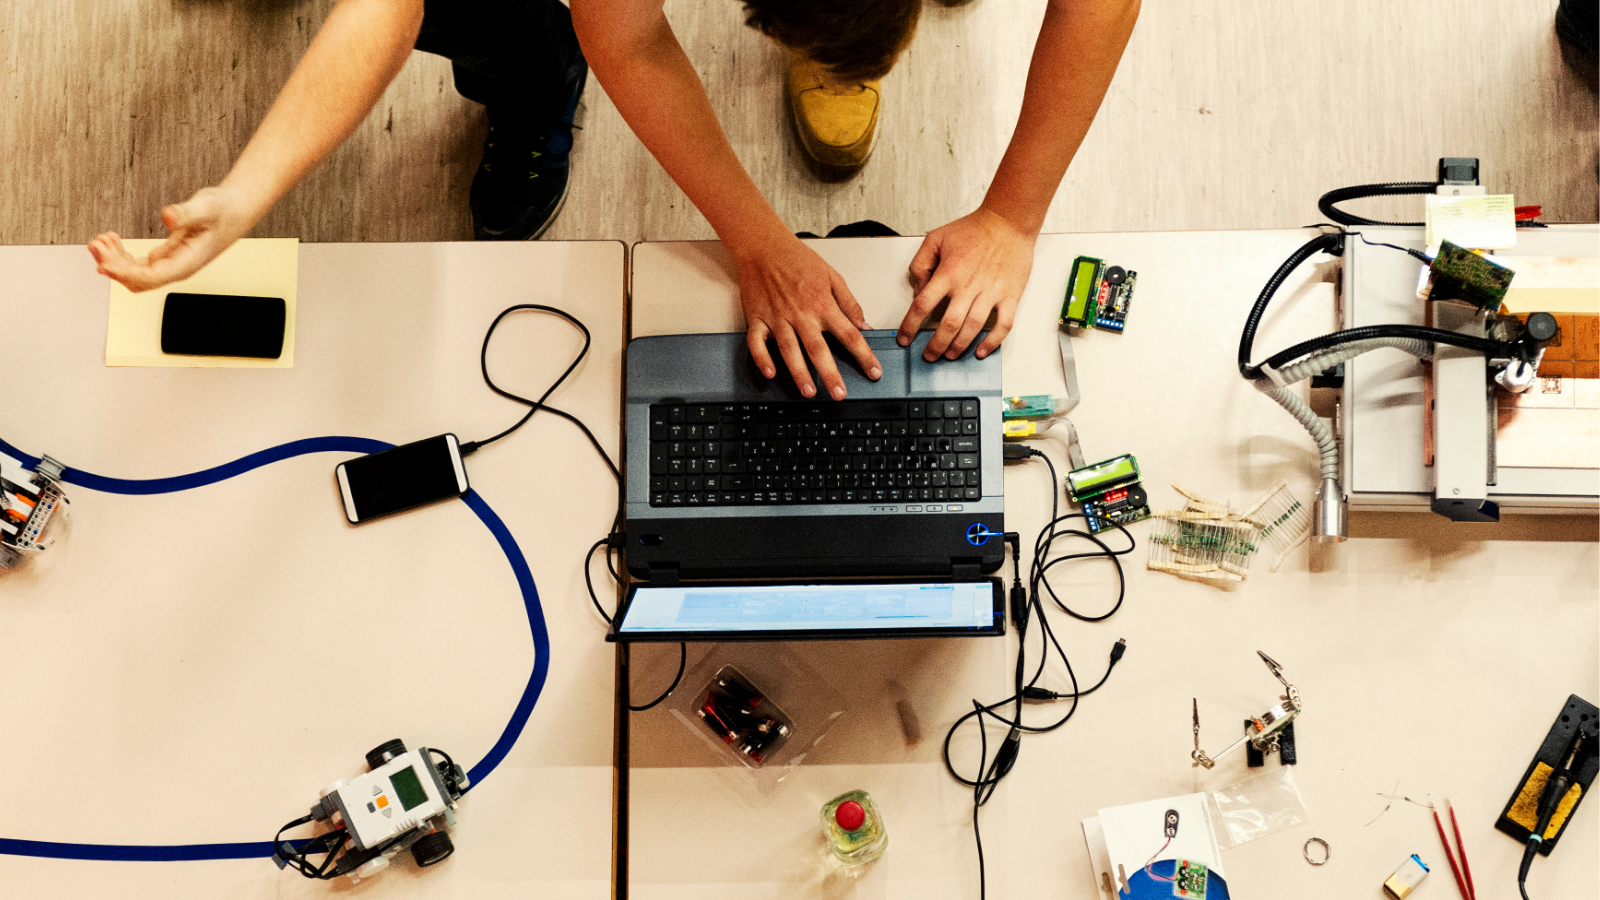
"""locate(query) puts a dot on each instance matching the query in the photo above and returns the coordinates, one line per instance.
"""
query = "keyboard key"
(952, 409)
(916, 410)
(973, 493)
(967, 460)
(969, 426)
(675, 415)
(965, 445)
(702, 414)
(969, 409)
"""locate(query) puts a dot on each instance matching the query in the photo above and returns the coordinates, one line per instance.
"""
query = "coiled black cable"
(1331, 242)
(1486, 346)
(1359, 191)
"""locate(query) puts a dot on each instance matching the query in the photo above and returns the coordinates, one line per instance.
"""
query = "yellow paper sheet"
(256, 267)
(1485, 222)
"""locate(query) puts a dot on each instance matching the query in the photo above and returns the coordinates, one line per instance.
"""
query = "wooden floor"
(1224, 114)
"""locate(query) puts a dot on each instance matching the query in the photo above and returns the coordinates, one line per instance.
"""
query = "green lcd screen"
(1092, 480)
(408, 788)
(1081, 289)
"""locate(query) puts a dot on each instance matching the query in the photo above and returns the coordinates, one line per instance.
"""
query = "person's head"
(856, 40)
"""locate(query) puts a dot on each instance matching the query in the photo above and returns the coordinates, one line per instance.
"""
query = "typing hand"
(790, 294)
(981, 262)
(201, 227)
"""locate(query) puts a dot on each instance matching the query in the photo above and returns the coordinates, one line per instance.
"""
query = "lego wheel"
(384, 752)
(432, 848)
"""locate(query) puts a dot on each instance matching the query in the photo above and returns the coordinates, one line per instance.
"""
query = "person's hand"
(202, 227)
(981, 262)
(790, 294)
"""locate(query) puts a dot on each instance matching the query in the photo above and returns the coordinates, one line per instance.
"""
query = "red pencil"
(1460, 885)
(1472, 890)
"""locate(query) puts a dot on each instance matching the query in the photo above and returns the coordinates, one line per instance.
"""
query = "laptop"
(731, 475)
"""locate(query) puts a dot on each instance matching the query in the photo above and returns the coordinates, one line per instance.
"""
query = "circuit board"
(1122, 506)
(1113, 315)
(1098, 295)
(1190, 880)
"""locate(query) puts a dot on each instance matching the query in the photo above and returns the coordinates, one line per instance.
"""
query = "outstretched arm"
(350, 62)
(788, 292)
(981, 261)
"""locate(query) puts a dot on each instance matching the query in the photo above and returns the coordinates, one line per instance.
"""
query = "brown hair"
(856, 40)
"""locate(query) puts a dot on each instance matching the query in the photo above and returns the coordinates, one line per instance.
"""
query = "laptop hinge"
(664, 576)
(964, 569)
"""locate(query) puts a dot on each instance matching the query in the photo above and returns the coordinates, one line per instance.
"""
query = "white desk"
(193, 667)
(1429, 653)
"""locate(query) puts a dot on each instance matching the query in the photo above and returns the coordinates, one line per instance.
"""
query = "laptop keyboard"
(851, 451)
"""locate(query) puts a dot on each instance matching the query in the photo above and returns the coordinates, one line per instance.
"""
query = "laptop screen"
(812, 611)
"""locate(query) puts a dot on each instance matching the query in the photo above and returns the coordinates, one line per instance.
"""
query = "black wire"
(990, 773)
(1359, 191)
(589, 582)
(683, 658)
(1486, 346)
(1326, 242)
(296, 859)
(450, 770)
(1334, 243)
(537, 405)
(1417, 255)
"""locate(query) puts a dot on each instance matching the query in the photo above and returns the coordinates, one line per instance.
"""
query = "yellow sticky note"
(255, 267)
(1485, 222)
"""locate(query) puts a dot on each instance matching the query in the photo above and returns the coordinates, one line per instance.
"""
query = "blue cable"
(257, 849)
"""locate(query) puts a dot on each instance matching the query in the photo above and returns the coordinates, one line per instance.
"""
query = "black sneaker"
(522, 181)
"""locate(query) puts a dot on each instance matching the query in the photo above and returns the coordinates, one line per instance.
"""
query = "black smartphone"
(223, 325)
(401, 478)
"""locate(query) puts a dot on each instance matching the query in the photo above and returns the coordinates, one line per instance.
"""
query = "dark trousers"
(516, 57)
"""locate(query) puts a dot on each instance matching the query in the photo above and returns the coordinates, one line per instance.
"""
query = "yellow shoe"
(838, 125)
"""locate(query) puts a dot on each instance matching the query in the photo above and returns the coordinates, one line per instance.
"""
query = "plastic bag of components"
(1257, 806)
(759, 707)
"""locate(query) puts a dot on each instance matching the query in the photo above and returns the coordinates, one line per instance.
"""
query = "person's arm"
(357, 52)
(789, 293)
(981, 261)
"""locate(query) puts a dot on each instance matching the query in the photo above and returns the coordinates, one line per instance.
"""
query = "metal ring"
(1326, 853)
